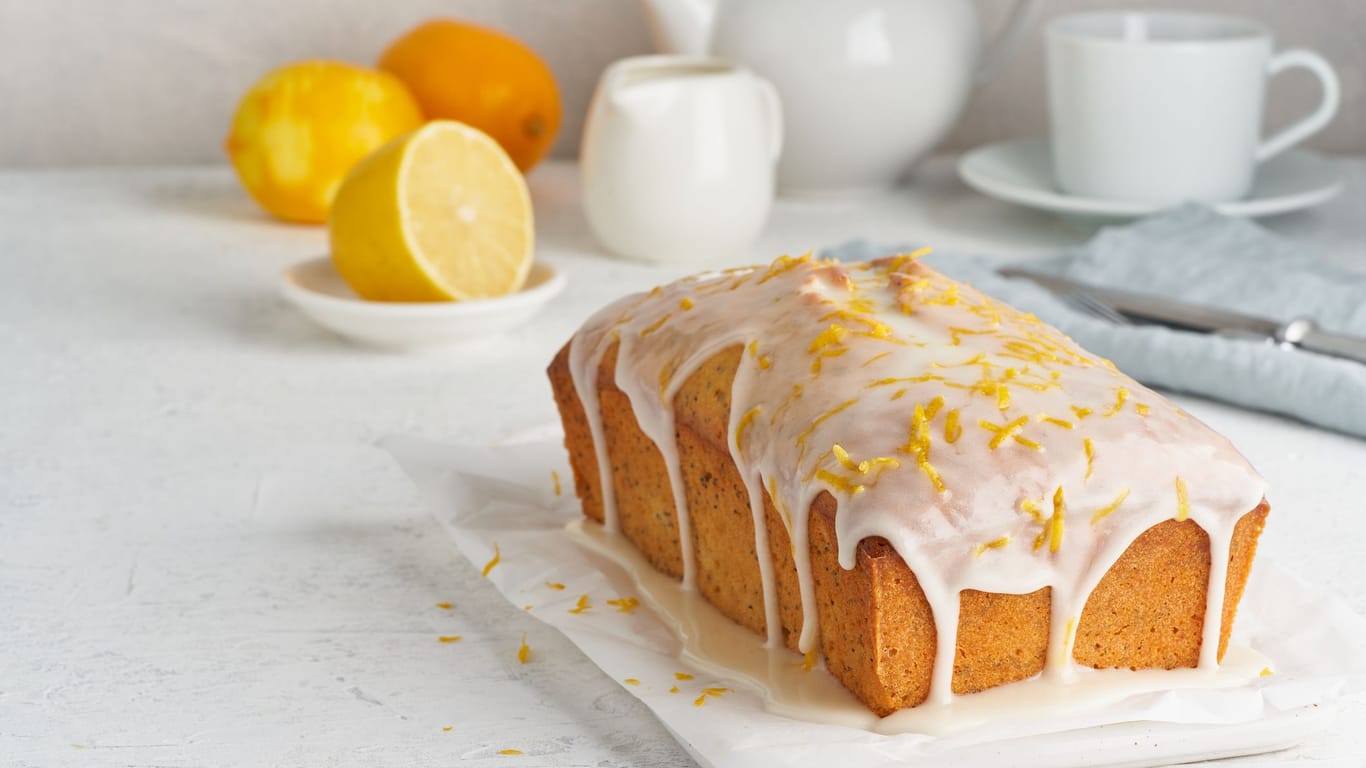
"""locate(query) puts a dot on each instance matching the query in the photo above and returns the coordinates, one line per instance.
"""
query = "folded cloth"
(1199, 256)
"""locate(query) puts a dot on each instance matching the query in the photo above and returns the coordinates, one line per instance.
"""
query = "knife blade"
(1301, 333)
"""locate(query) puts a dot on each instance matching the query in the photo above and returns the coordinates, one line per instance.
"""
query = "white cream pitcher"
(678, 159)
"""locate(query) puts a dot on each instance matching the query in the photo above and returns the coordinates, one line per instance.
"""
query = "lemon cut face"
(441, 214)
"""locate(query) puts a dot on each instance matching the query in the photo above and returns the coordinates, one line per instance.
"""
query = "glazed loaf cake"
(935, 492)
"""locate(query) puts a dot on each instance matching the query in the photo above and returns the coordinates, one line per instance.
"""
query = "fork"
(1089, 305)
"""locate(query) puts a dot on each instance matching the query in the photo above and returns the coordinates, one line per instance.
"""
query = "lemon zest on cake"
(631, 681)
(783, 264)
(1081, 412)
(1121, 397)
(449, 638)
(685, 304)
(523, 651)
(1002, 431)
(582, 606)
(1142, 409)
(745, 421)
(1055, 523)
(1183, 502)
(932, 408)
(832, 336)
(555, 479)
(554, 585)
(1031, 507)
(993, 544)
(1266, 671)
(491, 564)
(1103, 512)
(1057, 422)
(952, 430)
(821, 419)
(447, 728)
(874, 359)
(682, 676)
(624, 604)
(809, 660)
(444, 606)
(511, 752)
(656, 325)
(839, 483)
(1090, 449)
(673, 689)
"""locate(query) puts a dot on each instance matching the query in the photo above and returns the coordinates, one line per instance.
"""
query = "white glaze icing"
(994, 445)
(718, 646)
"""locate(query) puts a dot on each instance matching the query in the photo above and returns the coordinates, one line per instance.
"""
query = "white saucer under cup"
(1160, 107)
(1021, 172)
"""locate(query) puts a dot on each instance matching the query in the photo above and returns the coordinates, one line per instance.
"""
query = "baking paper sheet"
(504, 495)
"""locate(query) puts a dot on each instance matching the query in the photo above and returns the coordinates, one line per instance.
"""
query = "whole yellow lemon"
(301, 128)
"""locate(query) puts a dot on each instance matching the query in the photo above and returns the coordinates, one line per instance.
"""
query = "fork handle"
(1304, 334)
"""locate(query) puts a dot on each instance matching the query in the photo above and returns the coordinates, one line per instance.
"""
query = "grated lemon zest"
(1104, 511)
(624, 604)
(582, 606)
(449, 638)
(555, 478)
(993, 544)
(491, 564)
(952, 431)
(1183, 503)
(1121, 397)
(523, 651)
(444, 606)
(1055, 524)
(554, 585)
(682, 676)
(656, 325)
(1090, 449)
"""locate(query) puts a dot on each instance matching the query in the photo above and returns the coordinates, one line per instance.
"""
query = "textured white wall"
(155, 81)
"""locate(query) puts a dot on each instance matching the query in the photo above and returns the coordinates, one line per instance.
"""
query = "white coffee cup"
(1161, 107)
(678, 159)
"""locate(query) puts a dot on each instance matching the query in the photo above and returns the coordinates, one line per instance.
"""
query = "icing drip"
(988, 449)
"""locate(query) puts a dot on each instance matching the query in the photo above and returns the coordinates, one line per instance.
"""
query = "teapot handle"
(773, 107)
(1007, 37)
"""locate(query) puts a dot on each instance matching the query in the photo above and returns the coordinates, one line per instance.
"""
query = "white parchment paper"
(504, 496)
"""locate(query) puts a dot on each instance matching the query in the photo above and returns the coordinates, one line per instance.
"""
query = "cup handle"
(1328, 105)
(773, 106)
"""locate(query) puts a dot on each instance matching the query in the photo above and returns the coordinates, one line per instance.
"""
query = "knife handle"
(1304, 334)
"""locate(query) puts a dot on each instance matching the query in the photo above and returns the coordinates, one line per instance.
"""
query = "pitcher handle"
(773, 107)
(1007, 37)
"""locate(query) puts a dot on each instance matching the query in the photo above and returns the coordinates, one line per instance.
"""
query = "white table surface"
(205, 560)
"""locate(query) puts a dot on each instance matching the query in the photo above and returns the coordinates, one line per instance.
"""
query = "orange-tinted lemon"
(437, 215)
(301, 128)
(482, 78)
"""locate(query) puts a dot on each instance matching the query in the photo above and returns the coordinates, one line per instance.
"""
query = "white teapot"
(868, 87)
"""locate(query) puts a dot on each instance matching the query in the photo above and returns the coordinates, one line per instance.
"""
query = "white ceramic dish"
(319, 292)
(1021, 172)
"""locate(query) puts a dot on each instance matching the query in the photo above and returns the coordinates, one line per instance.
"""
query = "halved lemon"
(440, 214)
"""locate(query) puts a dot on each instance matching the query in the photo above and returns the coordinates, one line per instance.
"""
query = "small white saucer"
(315, 288)
(1021, 172)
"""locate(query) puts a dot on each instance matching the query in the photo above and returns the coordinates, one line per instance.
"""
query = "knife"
(1299, 333)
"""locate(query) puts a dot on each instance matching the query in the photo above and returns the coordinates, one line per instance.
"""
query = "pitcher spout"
(681, 26)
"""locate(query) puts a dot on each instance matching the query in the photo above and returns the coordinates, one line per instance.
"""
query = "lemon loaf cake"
(875, 465)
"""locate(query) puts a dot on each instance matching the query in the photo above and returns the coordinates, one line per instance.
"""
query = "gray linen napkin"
(1198, 255)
